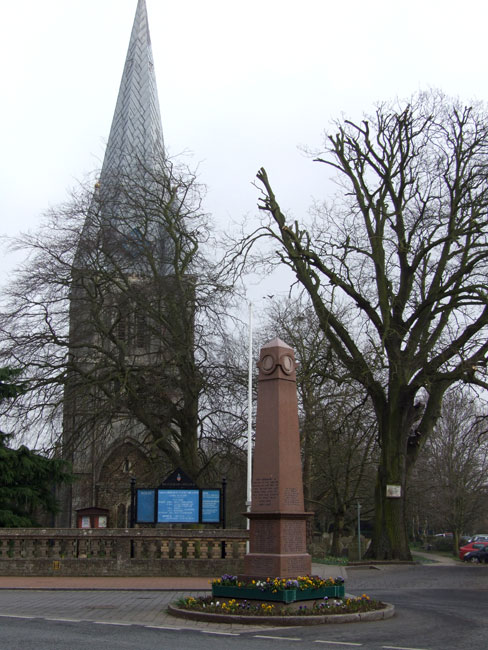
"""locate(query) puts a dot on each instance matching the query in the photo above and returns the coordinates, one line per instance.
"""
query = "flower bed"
(279, 589)
(324, 607)
(281, 595)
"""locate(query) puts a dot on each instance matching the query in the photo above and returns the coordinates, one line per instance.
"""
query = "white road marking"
(220, 633)
(399, 647)
(163, 627)
(62, 620)
(111, 623)
(279, 638)
(338, 642)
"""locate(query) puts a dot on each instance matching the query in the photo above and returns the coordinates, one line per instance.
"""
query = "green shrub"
(441, 544)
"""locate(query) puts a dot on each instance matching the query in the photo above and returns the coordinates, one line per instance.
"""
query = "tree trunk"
(336, 549)
(390, 538)
(455, 542)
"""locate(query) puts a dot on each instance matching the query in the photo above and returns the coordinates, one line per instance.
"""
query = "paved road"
(438, 608)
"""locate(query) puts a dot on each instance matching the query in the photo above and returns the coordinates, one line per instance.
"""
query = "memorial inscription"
(291, 496)
(265, 491)
(294, 537)
(263, 539)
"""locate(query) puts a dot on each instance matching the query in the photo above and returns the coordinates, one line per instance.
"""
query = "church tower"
(131, 390)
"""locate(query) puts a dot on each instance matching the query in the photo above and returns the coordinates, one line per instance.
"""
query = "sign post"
(132, 502)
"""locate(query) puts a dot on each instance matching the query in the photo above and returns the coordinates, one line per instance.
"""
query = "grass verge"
(329, 559)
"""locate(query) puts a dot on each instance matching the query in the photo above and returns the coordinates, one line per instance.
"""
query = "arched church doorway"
(125, 461)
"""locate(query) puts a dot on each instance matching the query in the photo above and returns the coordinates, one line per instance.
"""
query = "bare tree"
(405, 247)
(115, 314)
(450, 487)
(337, 429)
(345, 461)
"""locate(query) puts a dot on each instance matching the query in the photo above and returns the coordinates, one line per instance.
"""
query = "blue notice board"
(210, 506)
(146, 500)
(178, 506)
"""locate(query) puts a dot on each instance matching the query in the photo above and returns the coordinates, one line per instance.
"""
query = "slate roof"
(136, 132)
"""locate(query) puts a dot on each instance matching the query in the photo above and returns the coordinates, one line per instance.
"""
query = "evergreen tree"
(27, 479)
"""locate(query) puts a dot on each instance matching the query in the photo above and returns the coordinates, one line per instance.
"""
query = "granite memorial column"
(277, 516)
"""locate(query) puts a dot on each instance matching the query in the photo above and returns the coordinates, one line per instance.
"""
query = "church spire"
(136, 134)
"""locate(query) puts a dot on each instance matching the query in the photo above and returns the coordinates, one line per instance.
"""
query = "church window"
(141, 329)
(122, 325)
(131, 326)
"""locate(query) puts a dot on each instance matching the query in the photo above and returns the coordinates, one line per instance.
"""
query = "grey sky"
(241, 85)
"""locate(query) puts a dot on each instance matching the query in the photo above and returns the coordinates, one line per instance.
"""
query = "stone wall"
(120, 552)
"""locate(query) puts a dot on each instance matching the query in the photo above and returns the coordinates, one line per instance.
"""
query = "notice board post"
(178, 500)
(132, 502)
(224, 488)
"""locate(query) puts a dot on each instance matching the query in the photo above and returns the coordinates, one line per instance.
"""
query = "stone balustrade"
(107, 551)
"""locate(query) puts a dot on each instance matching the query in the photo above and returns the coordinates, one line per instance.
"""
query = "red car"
(472, 546)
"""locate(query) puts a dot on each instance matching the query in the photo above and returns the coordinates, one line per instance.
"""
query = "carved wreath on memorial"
(268, 364)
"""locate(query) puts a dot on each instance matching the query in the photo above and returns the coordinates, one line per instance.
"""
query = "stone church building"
(111, 404)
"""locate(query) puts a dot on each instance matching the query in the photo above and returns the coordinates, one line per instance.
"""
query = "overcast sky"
(241, 85)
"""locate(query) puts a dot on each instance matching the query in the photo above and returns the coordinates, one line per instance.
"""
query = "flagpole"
(249, 424)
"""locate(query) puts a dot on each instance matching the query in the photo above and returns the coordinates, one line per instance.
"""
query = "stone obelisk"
(277, 515)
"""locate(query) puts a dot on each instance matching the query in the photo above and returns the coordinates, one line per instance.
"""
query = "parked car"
(478, 556)
(444, 535)
(479, 538)
(472, 546)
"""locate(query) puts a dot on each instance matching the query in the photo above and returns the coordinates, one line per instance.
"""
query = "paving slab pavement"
(113, 607)
(436, 559)
(126, 601)
(153, 583)
(156, 583)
